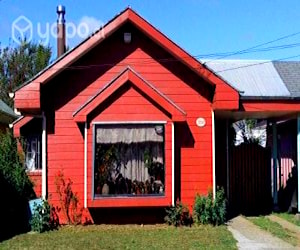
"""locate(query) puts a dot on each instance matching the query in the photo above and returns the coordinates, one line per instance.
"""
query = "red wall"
(70, 89)
(36, 178)
(130, 105)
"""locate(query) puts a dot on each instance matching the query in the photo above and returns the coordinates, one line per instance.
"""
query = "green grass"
(274, 228)
(126, 237)
(289, 217)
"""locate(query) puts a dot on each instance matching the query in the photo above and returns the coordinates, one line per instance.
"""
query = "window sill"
(130, 201)
(34, 172)
(128, 196)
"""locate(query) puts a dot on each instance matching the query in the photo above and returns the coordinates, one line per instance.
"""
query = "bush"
(210, 211)
(44, 218)
(178, 215)
(12, 168)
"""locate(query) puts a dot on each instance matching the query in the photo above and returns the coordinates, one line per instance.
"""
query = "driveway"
(250, 236)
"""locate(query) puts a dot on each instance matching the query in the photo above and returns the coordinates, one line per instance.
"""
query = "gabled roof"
(127, 15)
(20, 122)
(129, 75)
(254, 78)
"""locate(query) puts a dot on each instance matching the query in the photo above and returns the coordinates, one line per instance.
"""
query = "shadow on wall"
(128, 215)
(287, 196)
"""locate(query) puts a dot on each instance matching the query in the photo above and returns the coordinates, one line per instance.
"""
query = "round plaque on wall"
(200, 122)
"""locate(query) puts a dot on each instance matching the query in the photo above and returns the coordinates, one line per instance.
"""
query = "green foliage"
(12, 169)
(68, 199)
(107, 160)
(208, 210)
(274, 228)
(19, 63)
(15, 189)
(178, 215)
(44, 218)
(132, 237)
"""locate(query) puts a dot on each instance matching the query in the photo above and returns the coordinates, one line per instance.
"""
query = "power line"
(149, 61)
(253, 49)
(254, 64)
(278, 47)
(257, 46)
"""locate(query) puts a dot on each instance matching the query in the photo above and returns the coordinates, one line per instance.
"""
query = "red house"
(129, 117)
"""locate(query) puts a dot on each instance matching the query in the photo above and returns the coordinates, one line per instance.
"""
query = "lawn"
(274, 228)
(126, 237)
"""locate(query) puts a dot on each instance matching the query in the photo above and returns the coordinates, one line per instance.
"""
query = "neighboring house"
(130, 118)
(7, 116)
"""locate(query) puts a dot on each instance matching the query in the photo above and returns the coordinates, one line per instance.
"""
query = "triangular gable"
(127, 15)
(19, 123)
(129, 75)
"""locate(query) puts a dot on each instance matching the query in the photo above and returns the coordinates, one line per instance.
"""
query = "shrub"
(15, 189)
(11, 167)
(208, 210)
(44, 218)
(178, 215)
(68, 199)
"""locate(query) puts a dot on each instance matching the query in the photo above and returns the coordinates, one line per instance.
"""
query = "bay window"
(129, 160)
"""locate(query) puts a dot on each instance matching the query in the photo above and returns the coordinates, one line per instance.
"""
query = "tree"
(20, 63)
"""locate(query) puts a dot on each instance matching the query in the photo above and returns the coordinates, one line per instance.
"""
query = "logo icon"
(21, 29)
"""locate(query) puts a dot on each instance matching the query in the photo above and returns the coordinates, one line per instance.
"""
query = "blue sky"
(201, 27)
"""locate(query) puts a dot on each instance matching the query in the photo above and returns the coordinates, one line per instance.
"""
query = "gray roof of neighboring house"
(4, 108)
(253, 78)
(290, 74)
(7, 115)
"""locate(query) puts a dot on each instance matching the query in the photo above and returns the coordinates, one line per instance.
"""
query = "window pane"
(129, 160)
(32, 152)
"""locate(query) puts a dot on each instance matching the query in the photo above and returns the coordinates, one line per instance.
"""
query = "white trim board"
(85, 165)
(44, 157)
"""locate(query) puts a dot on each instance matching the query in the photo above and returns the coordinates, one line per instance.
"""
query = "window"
(33, 152)
(129, 160)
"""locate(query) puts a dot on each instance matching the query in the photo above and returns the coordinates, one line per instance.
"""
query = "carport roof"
(259, 78)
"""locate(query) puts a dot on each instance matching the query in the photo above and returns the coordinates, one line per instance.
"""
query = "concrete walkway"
(250, 236)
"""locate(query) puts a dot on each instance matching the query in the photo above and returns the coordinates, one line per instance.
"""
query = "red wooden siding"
(19, 124)
(178, 83)
(181, 79)
(28, 98)
(226, 97)
(123, 107)
(270, 105)
(36, 178)
(129, 78)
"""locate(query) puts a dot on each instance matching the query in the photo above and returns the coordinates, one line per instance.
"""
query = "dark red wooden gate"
(250, 179)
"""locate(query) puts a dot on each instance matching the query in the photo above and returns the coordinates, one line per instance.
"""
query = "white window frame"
(94, 125)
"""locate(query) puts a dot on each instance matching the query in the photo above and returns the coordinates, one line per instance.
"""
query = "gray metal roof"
(4, 108)
(290, 74)
(253, 78)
